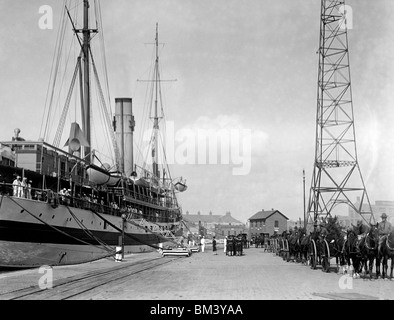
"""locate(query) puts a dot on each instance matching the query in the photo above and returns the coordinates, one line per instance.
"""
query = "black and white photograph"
(196, 156)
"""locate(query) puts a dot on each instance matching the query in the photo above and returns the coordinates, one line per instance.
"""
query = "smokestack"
(124, 128)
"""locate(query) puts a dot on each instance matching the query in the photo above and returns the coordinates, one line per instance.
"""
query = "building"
(222, 231)
(212, 224)
(267, 222)
(291, 224)
(378, 208)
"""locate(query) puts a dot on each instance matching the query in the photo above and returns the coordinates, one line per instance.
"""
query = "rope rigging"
(53, 227)
(87, 231)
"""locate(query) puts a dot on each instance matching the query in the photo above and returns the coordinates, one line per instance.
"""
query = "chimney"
(228, 214)
(210, 213)
(198, 212)
(124, 130)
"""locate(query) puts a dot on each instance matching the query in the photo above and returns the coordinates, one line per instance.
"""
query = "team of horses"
(355, 248)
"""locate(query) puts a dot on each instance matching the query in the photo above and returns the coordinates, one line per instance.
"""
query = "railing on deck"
(87, 203)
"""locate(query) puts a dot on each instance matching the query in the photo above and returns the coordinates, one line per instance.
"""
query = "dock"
(256, 275)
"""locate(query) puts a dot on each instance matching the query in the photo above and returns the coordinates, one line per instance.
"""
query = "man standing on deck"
(17, 187)
(23, 188)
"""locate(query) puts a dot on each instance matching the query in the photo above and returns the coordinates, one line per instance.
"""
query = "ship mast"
(155, 154)
(86, 79)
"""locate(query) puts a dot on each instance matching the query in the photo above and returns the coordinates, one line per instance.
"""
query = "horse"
(386, 253)
(295, 245)
(284, 245)
(292, 239)
(368, 247)
(332, 241)
(331, 245)
(305, 243)
(352, 253)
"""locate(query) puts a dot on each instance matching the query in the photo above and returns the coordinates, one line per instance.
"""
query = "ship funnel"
(124, 127)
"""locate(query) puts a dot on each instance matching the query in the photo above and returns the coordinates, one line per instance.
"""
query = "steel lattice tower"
(336, 177)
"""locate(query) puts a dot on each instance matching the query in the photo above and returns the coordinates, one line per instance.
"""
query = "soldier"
(214, 246)
(384, 229)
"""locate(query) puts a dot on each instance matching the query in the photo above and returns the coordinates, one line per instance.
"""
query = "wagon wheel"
(312, 253)
(326, 257)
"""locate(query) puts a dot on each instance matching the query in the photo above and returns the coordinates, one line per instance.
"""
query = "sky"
(247, 67)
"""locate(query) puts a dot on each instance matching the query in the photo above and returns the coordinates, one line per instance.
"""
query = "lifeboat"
(180, 186)
(100, 176)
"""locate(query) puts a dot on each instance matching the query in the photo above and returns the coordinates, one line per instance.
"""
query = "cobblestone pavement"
(257, 275)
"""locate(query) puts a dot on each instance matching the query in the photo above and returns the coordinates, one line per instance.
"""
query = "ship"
(61, 204)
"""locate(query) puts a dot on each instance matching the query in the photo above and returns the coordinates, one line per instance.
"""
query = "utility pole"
(337, 178)
(305, 216)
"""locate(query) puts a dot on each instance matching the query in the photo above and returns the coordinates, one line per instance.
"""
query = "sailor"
(202, 244)
(17, 186)
(28, 190)
(68, 196)
(384, 228)
(62, 194)
(225, 244)
(23, 189)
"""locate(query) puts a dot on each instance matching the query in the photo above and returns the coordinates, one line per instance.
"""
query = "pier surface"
(257, 275)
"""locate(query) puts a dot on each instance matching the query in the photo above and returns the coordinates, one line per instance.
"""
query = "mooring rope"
(89, 233)
(56, 229)
(126, 234)
(158, 235)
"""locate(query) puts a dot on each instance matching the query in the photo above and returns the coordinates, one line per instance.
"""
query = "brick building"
(271, 222)
(213, 224)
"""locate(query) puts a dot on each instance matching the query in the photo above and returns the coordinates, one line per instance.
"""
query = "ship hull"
(34, 233)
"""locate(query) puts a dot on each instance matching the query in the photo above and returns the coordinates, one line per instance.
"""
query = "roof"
(210, 218)
(262, 215)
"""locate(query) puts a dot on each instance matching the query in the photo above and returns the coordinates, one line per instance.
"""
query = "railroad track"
(85, 285)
